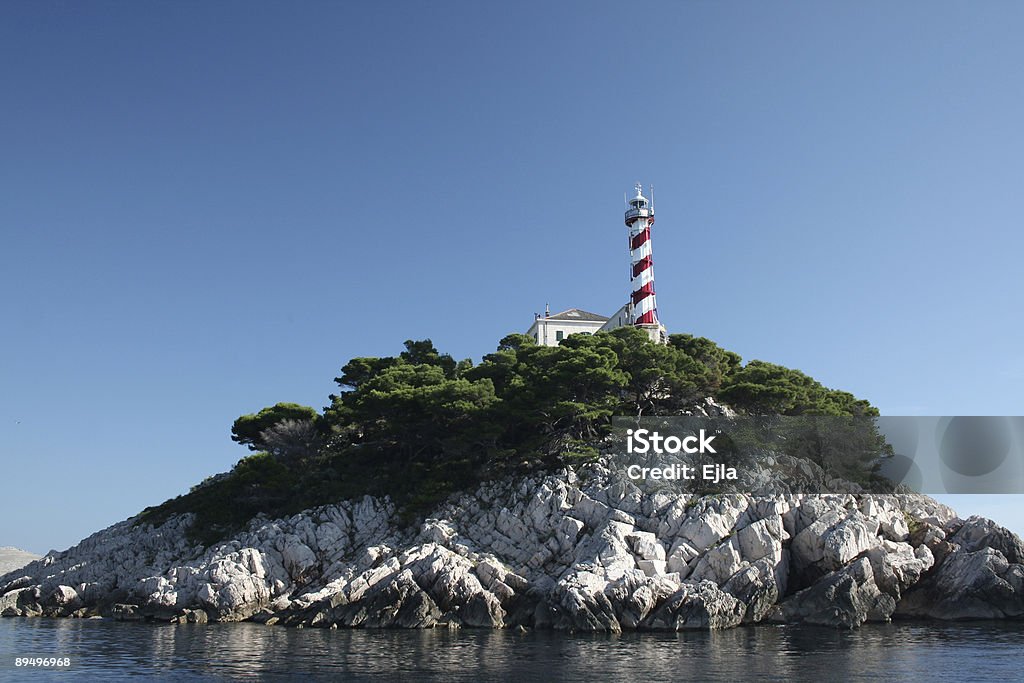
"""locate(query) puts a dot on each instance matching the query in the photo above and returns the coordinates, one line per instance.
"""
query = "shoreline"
(565, 551)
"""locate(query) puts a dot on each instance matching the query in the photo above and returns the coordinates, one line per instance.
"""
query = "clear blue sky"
(206, 208)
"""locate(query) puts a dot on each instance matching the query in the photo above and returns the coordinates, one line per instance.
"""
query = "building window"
(559, 335)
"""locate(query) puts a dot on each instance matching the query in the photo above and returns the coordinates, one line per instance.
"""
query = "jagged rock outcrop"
(981, 576)
(582, 550)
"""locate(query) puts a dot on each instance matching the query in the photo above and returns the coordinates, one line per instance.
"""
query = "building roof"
(577, 314)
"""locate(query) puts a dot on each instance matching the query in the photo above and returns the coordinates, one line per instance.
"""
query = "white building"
(640, 311)
(548, 330)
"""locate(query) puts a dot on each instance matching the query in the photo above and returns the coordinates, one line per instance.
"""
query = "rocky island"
(545, 537)
(576, 550)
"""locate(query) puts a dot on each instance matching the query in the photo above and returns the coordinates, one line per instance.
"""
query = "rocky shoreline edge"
(579, 550)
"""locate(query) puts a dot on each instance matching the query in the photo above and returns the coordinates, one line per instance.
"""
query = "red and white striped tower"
(639, 219)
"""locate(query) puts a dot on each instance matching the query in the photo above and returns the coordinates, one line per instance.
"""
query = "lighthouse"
(640, 311)
(643, 301)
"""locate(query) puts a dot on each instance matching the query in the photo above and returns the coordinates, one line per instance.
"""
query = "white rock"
(297, 556)
(646, 545)
(719, 563)
(651, 567)
(763, 538)
(711, 520)
(848, 539)
(585, 552)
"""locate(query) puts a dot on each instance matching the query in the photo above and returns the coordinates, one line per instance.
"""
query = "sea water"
(106, 650)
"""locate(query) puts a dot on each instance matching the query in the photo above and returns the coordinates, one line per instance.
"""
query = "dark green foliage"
(419, 426)
(717, 362)
(247, 429)
(843, 447)
(424, 353)
(293, 441)
(767, 389)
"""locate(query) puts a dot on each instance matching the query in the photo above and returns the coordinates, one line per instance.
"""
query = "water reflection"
(116, 651)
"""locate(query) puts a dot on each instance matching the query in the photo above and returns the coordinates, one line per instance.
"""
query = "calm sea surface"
(106, 650)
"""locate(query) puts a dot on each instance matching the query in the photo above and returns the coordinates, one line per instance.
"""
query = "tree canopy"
(419, 425)
(531, 404)
(248, 429)
(768, 389)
